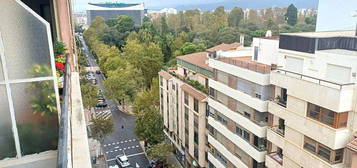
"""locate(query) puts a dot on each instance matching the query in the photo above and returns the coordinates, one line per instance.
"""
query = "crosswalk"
(119, 142)
(103, 114)
(117, 148)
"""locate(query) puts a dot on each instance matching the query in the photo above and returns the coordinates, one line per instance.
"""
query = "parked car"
(101, 99)
(114, 166)
(97, 72)
(94, 81)
(123, 161)
(101, 104)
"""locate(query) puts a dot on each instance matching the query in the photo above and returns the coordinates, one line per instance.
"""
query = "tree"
(101, 128)
(291, 15)
(228, 35)
(149, 126)
(311, 20)
(160, 152)
(148, 98)
(89, 95)
(235, 17)
(189, 48)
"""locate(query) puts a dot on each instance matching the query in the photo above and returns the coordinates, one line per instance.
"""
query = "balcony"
(274, 160)
(315, 90)
(244, 98)
(276, 136)
(253, 127)
(215, 161)
(227, 154)
(238, 141)
(37, 129)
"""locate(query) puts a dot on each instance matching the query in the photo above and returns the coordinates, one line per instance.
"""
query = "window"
(167, 84)
(173, 86)
(161, 83)
(222, 119)
(212, 92)
(247, 115)
(243, 133)
(195, 121)
(326, 116)
(186, 113)
(186, 98)
(239, 131)
(195, 137)
(322, 151)
(195, 152)
(195, 105)
(246, 135)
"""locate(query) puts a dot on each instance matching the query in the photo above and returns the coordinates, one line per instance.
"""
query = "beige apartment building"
(292, 104)
(183, 99)
(313, 114)
(184, 107)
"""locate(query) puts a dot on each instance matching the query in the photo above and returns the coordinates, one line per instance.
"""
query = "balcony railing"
(277, 157)
(253, 66)
(64, 140)
(278, 130)
(313, 79)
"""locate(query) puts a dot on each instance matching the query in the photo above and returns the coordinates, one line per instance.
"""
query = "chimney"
(241, 39)
(268, 33)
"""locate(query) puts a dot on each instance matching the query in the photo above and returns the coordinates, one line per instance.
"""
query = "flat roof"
(193, 92)
(113, 5)
(165, 74)
(270, 38)
(247, 63)
(325, 34)
(200, 59)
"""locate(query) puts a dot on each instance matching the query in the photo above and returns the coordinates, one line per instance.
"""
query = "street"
(123, 139)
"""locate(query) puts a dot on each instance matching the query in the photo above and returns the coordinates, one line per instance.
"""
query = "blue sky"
(80, 5)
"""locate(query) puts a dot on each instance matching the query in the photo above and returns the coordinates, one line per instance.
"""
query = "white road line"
(125, 141)
(130, 140)
(137, 146)
(136, 154)
(116, 150)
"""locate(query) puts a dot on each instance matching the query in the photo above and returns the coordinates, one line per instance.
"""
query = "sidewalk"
(173, 161)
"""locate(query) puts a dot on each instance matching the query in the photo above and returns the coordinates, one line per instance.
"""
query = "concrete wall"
(268, 51)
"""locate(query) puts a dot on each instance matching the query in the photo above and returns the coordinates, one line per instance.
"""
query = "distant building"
(80, 18)
(113, 10)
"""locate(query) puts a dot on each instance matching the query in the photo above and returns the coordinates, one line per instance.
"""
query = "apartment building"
(183, 99)
(37, 129)
(238, 104)
(313, 114)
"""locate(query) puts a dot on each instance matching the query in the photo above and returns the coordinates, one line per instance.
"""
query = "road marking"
(116, 150)
(116, 147)
(130, 140)
(125, 141)
(136, 154)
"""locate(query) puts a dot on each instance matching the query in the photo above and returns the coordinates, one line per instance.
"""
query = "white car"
(115, 166)
(122, 160)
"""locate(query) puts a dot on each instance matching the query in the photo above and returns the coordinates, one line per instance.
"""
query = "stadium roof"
(113, 5)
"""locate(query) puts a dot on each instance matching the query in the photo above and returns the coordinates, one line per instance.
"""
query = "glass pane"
(7, 143)
(26, 42)
(324, 153)
(36, 116)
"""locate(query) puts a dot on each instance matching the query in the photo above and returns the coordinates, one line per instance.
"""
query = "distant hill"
(252, 4)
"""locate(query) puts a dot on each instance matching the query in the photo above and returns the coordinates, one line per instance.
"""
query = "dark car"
(97, 72)
(101, 99)
(101, 104)
(94, 81)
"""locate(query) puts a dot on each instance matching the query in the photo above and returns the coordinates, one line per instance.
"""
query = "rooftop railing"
(257, 67)
(314, 80)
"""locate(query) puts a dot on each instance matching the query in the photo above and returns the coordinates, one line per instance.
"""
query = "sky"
(80, 5)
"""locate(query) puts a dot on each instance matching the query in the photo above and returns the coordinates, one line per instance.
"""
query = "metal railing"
(253, 66)
(277, 130)
(64, 138)
(275, 156)
(312, 79)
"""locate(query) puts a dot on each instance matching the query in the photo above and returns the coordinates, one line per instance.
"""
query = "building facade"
(113, 10)
(292, 104)
(312, 116)
(183, 100)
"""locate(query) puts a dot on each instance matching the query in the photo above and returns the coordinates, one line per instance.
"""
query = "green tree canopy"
(160, 152)
(101, 128)
(148, 98)
(291, 15)
(149, 126)
(89, 95)
(235, 17)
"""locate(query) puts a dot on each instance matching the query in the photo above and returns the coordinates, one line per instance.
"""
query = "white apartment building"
(238, 104)
(183, 100)
(313, 115)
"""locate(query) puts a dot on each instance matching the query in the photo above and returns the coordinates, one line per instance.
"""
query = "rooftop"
(324, 34)
(165, 75)
(194, 93)
(340, 52)
(247, 63)
(113, 5)
(352, 145)
(270, 38)
(224, 47)
(200, 59)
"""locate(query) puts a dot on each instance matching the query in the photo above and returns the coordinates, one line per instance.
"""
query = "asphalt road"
(123, 140)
